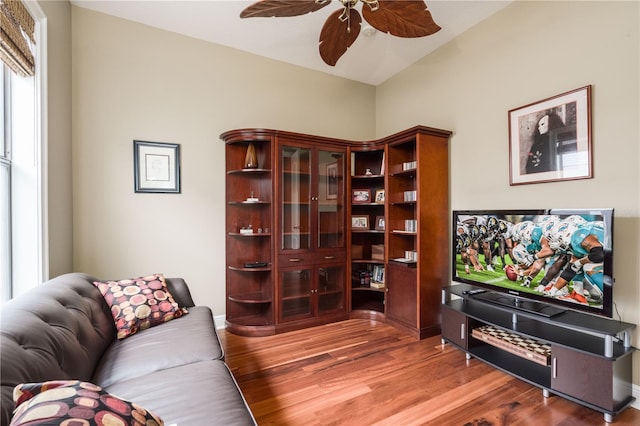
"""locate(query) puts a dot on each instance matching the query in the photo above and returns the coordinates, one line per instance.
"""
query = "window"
(23, 247)
(5, 190)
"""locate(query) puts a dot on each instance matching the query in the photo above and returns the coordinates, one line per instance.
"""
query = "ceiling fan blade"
(401, 18)
(336, 35)
(282, 8)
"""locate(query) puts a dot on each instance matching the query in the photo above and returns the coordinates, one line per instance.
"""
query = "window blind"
(16, 32)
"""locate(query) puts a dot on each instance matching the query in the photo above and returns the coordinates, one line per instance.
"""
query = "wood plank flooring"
(362, 372)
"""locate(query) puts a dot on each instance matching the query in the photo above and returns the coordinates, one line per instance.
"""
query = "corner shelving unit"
(368, 259)
(249, 221)
(319, 252)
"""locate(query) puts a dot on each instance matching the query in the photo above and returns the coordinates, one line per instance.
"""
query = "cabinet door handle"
(295, 259)
(461, 331)
(554, 368)
(329, 257)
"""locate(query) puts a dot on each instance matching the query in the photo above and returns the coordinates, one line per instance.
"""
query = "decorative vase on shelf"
(251, 160)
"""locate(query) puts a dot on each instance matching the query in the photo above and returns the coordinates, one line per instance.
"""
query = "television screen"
(560, 257)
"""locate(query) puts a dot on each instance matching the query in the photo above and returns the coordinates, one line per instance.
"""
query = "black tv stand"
(530, 306)
(581, 348)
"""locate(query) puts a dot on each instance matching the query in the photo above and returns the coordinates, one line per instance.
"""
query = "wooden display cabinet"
(311, 249)
(312, 238)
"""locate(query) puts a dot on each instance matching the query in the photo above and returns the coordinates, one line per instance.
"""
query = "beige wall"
(60, 200)
(134, 82)
(527, 52)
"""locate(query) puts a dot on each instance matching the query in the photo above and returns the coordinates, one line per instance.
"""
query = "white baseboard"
(220, 322)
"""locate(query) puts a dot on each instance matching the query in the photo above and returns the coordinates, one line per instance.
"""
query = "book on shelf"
(410, 195)
(411, 225)
(403, 260)
(409, 165)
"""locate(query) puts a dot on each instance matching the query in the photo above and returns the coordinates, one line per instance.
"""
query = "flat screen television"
(544, 261)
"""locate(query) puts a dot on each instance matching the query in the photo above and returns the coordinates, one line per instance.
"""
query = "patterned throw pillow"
(139, 303)
(72, 402)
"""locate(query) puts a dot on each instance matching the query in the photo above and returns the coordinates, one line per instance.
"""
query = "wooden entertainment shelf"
(590, 360)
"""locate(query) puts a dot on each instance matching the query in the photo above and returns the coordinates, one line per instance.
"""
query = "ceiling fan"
(405, 18)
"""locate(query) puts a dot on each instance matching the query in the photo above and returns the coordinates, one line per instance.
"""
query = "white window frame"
(30, 239)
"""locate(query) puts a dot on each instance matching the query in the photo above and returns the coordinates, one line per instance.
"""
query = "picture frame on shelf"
(378, 274)
(360, 222)
(332, 181)
(379, 196)
(379, 223)
(361, 196)
(550, 140)
(156, 167)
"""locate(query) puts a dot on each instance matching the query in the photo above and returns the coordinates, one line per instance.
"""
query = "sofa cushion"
(139, 303)
(75, 402)
(202, 393)
(58, 330)
(188, 339)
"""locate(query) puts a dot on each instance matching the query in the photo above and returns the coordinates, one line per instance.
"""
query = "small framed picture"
(361, 196)
(156, 167)
(360, 222)
(379, 196)
(379, 223)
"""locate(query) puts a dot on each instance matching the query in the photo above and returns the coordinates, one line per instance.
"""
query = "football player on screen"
(539, 254)
(501, 243)
(582, 241)
(464, 246)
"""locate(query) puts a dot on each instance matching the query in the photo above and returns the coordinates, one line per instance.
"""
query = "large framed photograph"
(550, 140)
(156, 167)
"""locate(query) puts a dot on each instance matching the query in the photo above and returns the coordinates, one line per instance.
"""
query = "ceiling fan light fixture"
(369, 31)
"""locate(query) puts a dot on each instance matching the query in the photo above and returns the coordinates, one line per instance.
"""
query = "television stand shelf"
(590, 362)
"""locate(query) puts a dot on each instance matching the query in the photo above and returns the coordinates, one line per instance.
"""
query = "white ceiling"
(294, 40)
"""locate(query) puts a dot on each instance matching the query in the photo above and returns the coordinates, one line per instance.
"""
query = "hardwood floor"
(362, 372)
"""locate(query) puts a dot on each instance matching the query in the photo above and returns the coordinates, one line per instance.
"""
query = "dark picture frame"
(379, 226)
(156, 167)
(550, 140)
(332, 181)
(361, 196)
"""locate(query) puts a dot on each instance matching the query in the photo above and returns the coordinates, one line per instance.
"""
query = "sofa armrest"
(180, 291)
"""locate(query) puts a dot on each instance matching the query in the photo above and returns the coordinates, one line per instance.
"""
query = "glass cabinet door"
(330, 192)
(296, 202)
(295, 293)
(330, 288)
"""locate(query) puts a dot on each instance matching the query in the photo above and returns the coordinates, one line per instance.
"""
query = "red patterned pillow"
(75, 403)
(139, 303)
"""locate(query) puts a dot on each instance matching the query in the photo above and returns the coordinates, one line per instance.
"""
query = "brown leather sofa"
(63, 330)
